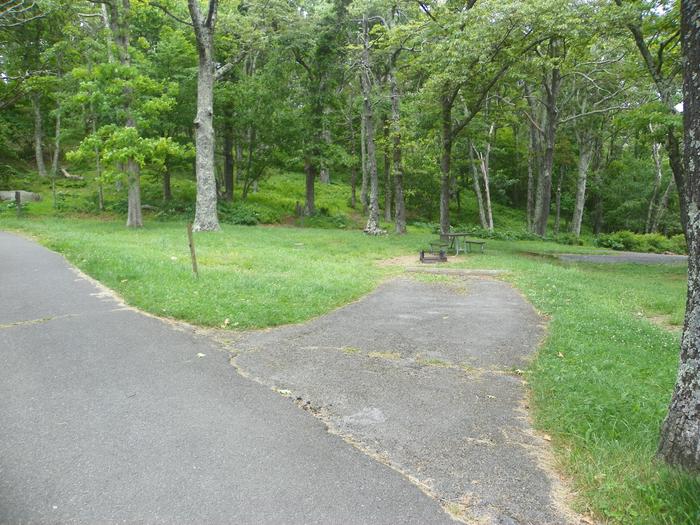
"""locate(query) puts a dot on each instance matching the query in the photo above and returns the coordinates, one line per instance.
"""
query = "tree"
(485, 40)
(659, 53)
(680, 434)
(205, 218)
(397, 156)
(372, 226)
(118, 14)
(315, 41)
(14, 13)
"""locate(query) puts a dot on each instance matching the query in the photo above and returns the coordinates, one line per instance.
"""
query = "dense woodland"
(566, 110)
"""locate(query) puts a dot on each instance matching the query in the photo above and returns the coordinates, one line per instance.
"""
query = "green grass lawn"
(600, 385)
(252, 276)
(603, 378)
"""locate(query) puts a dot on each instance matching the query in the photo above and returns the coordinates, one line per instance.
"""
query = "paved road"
(107, 415)
(628, 257)
(425, 376)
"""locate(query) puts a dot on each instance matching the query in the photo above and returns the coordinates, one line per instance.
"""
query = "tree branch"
(459, 126)
(11, 12)
(299, 60)
(424, 7)
(653, 69)
(167, 12)
(211, 15)
(592, 112)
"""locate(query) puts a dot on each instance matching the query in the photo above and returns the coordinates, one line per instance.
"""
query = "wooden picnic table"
(458, 240)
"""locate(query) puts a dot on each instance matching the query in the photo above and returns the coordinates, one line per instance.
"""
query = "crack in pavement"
(426, 380)
(31, 322)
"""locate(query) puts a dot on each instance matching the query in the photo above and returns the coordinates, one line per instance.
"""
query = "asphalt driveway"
(108, 415)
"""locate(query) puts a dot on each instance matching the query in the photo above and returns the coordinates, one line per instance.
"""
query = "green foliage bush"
(498, 234)
(6, 174)
(502, 234)
(678, 244)
(642, 242)
(323, 219)
(567, 238)
(239, 213)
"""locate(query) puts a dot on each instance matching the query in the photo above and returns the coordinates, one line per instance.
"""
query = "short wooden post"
(192, 253)
(18, 204)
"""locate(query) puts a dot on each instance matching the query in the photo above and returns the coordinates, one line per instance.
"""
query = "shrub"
(677, 244)
(239, 213)
(500, 235)
(322, 219)
(642, 242)
(567, 238)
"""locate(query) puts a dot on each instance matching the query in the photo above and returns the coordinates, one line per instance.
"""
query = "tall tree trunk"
(98, 162)
(38, 135)
(445, 164)
(518, 168)
(372, 227)
(387, 173)
(365, 172)
(651, 211)
(353, 186)
(325, 175)
(484, 160)
(598, 206)
(534, 156)
(585, 148)
(205, 217)
(100, 195)
(353, 168)
(662, 207)
(487, 194)
(106, 21)
(310, 198)
(397, 164)
(680, 434)
(238, 171)
(675, 160)
(119, 27)
(228, 163)
(56, 143)
(530, 177)
(249, 179)
(557, 215)
(477, 187)
(543, 196)
(167, 191)
(134, 218)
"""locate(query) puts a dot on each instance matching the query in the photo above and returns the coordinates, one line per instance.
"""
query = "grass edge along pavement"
(602, 380)
(599, 386)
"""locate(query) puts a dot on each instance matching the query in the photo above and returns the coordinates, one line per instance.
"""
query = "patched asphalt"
(426, 378)
(111, 416)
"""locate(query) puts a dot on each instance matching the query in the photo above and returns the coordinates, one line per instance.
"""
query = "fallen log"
(24, 196)
(67, 175)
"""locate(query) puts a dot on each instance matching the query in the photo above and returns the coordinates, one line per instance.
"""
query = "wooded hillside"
(568, 111)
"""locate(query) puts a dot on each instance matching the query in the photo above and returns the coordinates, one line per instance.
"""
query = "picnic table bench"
(451, 241)
(458, 241)
(436, 253)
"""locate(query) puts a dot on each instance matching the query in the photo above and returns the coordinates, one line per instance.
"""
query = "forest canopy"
(566, 111)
